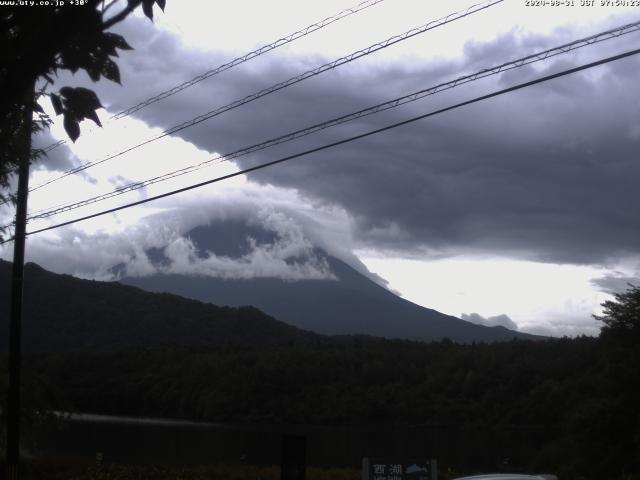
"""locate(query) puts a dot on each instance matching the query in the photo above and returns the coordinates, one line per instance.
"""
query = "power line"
(237, 61)
(347, 140)
(486, 72)
(256, 53)
(287, 83)
(53, 146)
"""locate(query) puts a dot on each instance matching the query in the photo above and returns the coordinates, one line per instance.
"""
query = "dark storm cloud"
(546, 173)
(615, 283)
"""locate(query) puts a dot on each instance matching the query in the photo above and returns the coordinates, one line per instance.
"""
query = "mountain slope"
(63, 313)
(349, 304)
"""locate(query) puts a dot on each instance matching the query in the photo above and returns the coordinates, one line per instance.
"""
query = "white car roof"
(508, 476)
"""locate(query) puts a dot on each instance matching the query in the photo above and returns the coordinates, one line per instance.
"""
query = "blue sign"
(398, 469)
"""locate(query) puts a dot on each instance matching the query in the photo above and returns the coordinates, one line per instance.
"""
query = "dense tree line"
(562, 387)
(338, 381)
(118, 350)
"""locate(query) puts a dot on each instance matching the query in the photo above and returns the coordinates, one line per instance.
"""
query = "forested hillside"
(560, 390)
(64, 313)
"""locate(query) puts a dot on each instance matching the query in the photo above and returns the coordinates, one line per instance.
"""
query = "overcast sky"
(518, 210)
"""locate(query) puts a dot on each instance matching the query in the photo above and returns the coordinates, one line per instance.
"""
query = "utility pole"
(17, 281)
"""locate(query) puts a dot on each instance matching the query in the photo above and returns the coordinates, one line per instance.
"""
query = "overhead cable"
(237, 61)
(255, 53)
(344, 141)
(486, 72)
(287, 83)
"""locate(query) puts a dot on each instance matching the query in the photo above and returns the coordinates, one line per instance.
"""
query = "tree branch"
(107, 7)
(122, 15)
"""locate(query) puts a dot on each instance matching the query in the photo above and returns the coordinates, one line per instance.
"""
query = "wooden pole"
(17, 281)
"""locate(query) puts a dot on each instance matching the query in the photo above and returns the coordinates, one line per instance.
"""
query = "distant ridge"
(64, 313)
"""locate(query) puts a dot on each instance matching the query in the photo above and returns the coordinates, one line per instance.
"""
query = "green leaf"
(147, 8)
(70, 58)
(107, 47)
(67, 92)
(117, 41)
(88, 98)
(93, 71)
(80, 103)
(71, 126)
(57, 103)
(92, 115)
(81, 97)
(110, 71)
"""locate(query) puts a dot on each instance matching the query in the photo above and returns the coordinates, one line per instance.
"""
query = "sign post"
(293, 463)
(399, 469)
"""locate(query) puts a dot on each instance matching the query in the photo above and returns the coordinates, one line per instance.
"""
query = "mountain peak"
(284, 275)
